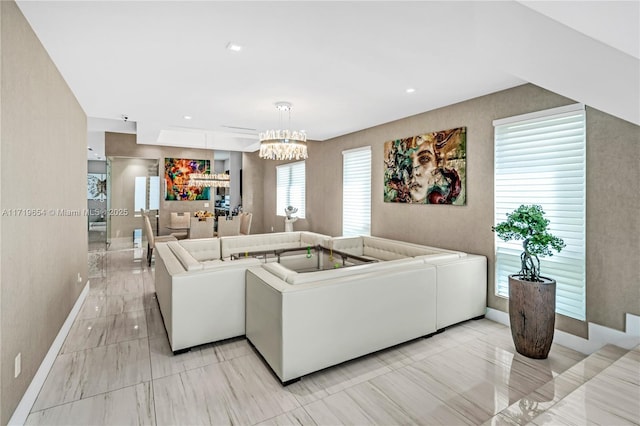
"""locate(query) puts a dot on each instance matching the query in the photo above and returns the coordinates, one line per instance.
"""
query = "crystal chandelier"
(283, 144)
(218, 180)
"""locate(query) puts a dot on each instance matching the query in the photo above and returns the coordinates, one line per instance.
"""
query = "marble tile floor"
(116, 368)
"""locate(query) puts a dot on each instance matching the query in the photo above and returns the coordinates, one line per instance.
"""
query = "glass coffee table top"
(306, 259)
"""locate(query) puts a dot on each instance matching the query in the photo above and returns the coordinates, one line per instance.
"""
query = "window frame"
(540, 158)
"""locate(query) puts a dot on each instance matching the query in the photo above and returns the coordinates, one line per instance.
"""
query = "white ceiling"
(344, 66)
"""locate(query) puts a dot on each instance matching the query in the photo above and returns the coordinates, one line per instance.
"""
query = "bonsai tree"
(528, 223)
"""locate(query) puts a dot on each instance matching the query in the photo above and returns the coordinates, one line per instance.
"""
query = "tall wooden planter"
(532, 307)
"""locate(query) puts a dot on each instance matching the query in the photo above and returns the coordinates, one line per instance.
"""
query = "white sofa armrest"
(169, 261)
(461, 289)
(429, 258)
(188, 262)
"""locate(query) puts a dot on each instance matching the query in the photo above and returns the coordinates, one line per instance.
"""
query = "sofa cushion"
(349, 245)
(188, 262)
(236, 264)
(203, 248)
(384, 249)
(429, 250)
(258, 242)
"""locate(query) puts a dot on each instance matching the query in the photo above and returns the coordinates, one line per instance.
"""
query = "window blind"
(140, 194)
(154, 193)
(540, 159)
(290, 188)
(356, 192)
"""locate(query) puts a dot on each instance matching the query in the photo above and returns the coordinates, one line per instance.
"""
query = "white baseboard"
(497, 316)
(23, 409)
(598, 334)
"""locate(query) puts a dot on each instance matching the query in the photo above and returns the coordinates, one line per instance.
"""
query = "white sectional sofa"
(201, 292)
(212, 289)
(304, 322)
(461, 277)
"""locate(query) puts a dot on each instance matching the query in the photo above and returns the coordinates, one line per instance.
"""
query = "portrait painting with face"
(176, 176)
(427, 169)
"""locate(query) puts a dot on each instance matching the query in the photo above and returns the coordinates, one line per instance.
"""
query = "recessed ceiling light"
(187, 117)
(234, 47)
(410, 90)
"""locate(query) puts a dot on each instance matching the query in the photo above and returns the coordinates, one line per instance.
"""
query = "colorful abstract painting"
(176, 177)
(427, 169)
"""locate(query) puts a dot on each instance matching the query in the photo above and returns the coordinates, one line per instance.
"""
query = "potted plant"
(532, 297)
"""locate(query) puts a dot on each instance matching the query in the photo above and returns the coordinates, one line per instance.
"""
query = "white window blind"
(140, 194)
(290, 188)
(540, 159)
(356, 192)
(154, 193)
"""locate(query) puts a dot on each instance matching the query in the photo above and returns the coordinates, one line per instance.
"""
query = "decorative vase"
(532, 314)
(288, 223)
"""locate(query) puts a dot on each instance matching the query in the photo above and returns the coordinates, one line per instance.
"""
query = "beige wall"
(613, 236)
(253, 193)
(613, 219)
(43, 165)
(3, 416)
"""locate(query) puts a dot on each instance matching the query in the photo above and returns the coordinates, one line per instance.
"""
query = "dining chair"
(152, 239)
(228, 227)
(245, 223)
(180, 221)
(201, 228)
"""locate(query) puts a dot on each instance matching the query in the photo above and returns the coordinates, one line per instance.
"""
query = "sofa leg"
(479, 317)
(288, 382)
(181, 351)
(434, 333)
